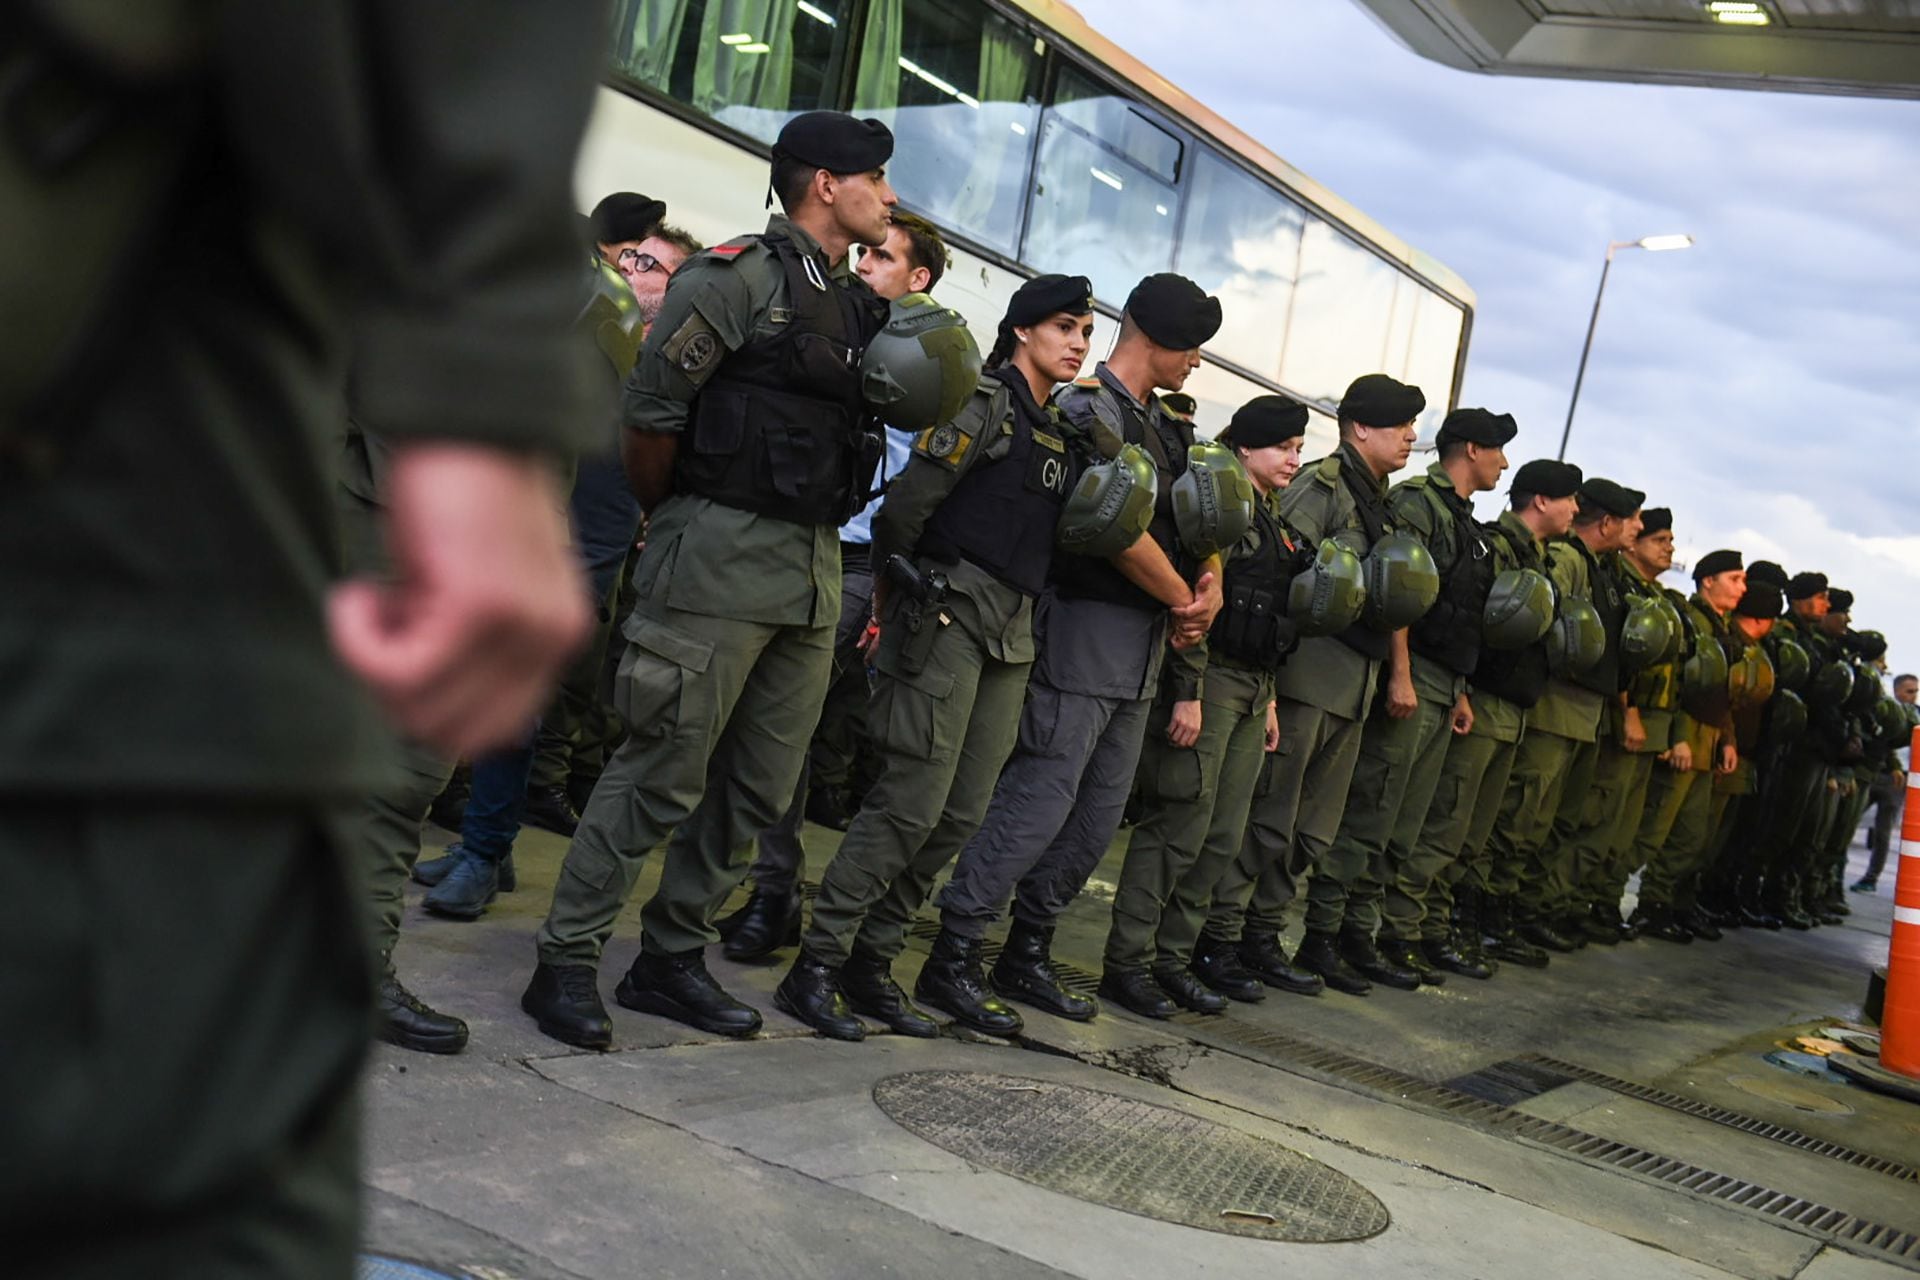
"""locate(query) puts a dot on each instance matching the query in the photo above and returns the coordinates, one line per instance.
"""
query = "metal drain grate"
(1133, 1156)
(373, 1267)
(1893, 1244)
(1515, 1080)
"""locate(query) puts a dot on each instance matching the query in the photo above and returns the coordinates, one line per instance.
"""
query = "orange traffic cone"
(1900, 1023)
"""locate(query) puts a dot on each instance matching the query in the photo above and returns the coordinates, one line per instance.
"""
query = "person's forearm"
(1146, 566)
(648, 457)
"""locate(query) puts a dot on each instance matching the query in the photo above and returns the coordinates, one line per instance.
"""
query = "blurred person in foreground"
(187, 1006)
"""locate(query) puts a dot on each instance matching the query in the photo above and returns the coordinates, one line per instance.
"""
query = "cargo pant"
(1195, 809)
(1609, 884)
(718, 712)
(1535, 784)
(1672, 831)
(1393, 784)
(1590, 843)
(1547, 884)
(943, 735)
(1292, 823)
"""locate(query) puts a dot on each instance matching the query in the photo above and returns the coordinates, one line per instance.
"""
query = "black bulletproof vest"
(1372, 508)
(781, 428)
(1003, 513)
(1518, 675)
(1603, 592)
(1253, 626)
(1165, 440)
(1449, 633)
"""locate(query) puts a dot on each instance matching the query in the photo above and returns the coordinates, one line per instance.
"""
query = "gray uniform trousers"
(719, 712)
(1454, 837)
(943, 736)
(1196, 801)
(1292, 822)
(1056, 807)
(1588, 846)
(780, 857)
(1393, 783)
(1610, 882)
(385, 832)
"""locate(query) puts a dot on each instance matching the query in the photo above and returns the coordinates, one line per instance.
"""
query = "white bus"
(1034, 144)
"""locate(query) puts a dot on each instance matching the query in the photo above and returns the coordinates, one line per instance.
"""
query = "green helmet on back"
(921, 367)
(1787, 718)
(1891, 722)
(1750, 678)
(1111, 505)
(1791, 666)
(1647, 632)
(1212, 499)
(1868, 689)
(1329, 594)
(1676, 629)
(1576, 640)
(1402, 582)
(1704, 678)
(1519, 609)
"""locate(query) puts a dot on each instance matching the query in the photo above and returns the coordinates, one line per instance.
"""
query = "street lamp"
(1653, 244)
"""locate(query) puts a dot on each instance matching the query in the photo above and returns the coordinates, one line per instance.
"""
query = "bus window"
(750, 64)
(1242, 244)
(1342, 308)
(1104, 200)
(958, 84)
(1433, 349)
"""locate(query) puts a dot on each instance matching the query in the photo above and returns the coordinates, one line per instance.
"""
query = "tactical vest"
(1252, 626)
(1517, 675)
(1002, 514)
(1657, 687)
(781, 429)
(1371, 507)
(1603, 593)
(1449, 632)
(1165, 440)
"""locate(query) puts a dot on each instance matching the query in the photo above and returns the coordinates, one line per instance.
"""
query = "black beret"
(1868, 644)
(1764, 571)
(1763, 600)
(1266, 420)
(1174, 311)
(1716, 562)
(1375, 400)
(1839, 600)
(1475, 426)
(1043, 296)
(1805, 586)
(1614, 499)
(626, 215)
(1655, 520)
(834, 141)
(1546, 478)
(1179, 404)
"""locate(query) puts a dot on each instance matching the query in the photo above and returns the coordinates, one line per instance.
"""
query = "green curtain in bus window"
(955, 82)
(646, 35)
(735, 80)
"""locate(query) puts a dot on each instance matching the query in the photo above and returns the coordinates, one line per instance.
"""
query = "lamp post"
(1653, 244)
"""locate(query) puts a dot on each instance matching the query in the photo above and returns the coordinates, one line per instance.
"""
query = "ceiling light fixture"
(1739, 13)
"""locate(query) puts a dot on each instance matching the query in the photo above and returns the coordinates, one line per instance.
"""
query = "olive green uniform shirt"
(729, 563)
(1413, 512)
(1326, 672)
(1568, 709)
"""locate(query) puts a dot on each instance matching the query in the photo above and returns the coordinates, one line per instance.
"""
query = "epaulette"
(732, 249)
(1327, 470)
(1090, 383)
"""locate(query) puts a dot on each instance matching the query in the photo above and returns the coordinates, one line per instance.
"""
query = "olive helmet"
(1576, 640)
(1791, 666)
(1519, 609)
(1110, 506)
(1831, 685)
(921, 367)
(1402, 582)
(1212, 499)
(1329, 594)
(1787, 718)
(1647, 631)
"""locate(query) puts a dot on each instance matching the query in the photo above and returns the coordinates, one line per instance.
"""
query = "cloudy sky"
(1764, 384)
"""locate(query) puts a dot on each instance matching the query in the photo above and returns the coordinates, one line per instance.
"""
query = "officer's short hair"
(679, 238)
(790, 180)
(1589, 511)
(925, 248)
(1908, 676)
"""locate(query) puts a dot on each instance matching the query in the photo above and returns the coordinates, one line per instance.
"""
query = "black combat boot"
(1463, 934)
(1445, 954)
(1320, 953)
(951, 982)
(564, 999)
(1699, 923)
(1503, 940)
(811, 993)
(1261, 956)
(767, 923)
(1541, 933)
(1365, 957)
(1601, 924)
(466, 891)
(1025, 973)
(1218, 965)
(1657, 920)
(431, 871)
(678, 986)
(407, 1021)
(868, 983)
(1187, 990)
(1135, 991)
(1402, 953)
(551, 809)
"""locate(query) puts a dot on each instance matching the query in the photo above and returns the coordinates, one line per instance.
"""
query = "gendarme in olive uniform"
(1322, 696)
(754, 363)
(975, 511)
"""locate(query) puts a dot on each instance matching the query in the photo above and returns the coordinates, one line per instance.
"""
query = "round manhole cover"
(1133, 1156)
(374, 1267)
(1793, 1095)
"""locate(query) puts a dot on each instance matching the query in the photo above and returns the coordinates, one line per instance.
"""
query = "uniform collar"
(1351, 459)
(1510, 521)
(780, 225)
(1111, 380)
(1438, 477)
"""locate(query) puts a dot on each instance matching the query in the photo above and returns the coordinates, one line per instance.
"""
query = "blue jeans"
(498, 801)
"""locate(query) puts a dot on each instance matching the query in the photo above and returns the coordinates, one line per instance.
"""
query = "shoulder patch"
(734, 248)
(1327, 470)
(945, 444)
(694, 348)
